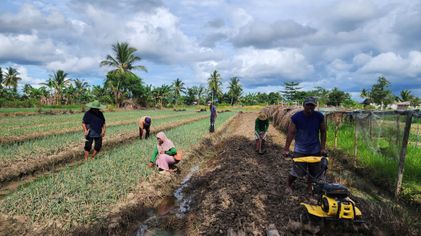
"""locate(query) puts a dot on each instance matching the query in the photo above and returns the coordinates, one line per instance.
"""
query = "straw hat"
(95, 104)
(262, 116)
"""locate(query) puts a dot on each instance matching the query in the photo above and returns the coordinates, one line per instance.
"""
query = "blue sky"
(344, 44)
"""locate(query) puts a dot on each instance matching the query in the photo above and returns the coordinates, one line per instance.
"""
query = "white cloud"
(261, 34)
(259, 67)
(254, 63)
(26, 48)
(386, 63)
(29, 18)
(74, 64)
(157, 36)
(349, 15)
(26, 79)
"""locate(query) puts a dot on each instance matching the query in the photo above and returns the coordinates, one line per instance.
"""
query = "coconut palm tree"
(178, 87)
(200, 92)
(81, 87)
(406, 95)
(11, 78)
(160, 93)
(235, 90)
(59, 81)
(1, 78)
(123, 64)
(214, 82)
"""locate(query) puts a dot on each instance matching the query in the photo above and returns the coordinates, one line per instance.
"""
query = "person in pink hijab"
(163, 154)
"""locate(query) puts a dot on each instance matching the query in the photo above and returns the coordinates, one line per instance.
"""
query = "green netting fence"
(387, 144)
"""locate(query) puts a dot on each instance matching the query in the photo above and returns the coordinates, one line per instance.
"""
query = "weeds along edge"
(130, 212)
(52, 162)
(380, 206)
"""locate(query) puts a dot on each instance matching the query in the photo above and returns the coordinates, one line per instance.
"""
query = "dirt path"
(241, 190)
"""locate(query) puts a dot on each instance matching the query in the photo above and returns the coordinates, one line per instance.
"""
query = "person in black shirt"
(93, 124)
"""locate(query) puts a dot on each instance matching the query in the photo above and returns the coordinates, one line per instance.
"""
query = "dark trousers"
(89, 141)
(212, 125)
(147, 130)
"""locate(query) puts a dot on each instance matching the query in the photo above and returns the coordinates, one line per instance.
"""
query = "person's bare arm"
(103, 130)
(290, 136)
(85, 129)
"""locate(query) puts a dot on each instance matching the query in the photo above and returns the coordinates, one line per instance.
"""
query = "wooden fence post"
(398, 132)
(355, 138)
(403, 152)
(370, 125)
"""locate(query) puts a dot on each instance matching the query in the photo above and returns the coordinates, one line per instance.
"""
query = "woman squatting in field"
(164, 154)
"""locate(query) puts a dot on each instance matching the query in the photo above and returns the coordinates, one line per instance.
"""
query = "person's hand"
(103, 134)
(286, 153)
(86, 132)
(323, 152)
(150, 164)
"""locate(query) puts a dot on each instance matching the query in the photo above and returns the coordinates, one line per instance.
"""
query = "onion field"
(85, 193)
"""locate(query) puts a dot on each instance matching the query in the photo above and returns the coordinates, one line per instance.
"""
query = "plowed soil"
(239, 192)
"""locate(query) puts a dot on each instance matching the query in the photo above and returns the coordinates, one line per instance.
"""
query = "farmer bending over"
(261, 127)
(144, 124)
(164, 154)
(93, 124)
(309, 130)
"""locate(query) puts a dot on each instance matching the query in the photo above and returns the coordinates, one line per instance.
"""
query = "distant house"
(366, 102)
(400, 105)
(369, 102)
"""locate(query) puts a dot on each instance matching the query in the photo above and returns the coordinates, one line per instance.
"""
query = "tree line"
(122, 87)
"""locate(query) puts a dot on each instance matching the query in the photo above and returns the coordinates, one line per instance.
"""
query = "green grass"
(380, 154)
(87, 192)
(38, 148)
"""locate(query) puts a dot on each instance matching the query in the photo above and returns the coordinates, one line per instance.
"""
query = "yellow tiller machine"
(334, 202)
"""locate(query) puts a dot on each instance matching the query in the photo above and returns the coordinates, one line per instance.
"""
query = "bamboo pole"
(370, 125)
(355, 138)
(402, 155)
(398, 129)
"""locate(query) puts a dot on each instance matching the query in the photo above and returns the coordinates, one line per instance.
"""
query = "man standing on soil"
(213, 116)
(308, 129)
(93, 124)
(144, 125)
(261, 126)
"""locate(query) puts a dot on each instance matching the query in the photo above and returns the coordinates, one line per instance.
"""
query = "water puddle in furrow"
(176, 205)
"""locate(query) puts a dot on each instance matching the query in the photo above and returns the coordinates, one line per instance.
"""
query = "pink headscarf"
(166, 145)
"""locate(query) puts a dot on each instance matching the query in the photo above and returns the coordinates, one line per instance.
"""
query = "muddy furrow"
(35, 135)
(18, 171)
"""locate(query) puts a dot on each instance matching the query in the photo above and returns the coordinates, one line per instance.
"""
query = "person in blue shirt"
(93, 124)
(308, 129)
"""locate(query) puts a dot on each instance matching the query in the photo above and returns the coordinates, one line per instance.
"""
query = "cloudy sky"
(344, 44)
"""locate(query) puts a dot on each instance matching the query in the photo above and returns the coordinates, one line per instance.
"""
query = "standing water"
(176, 204)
